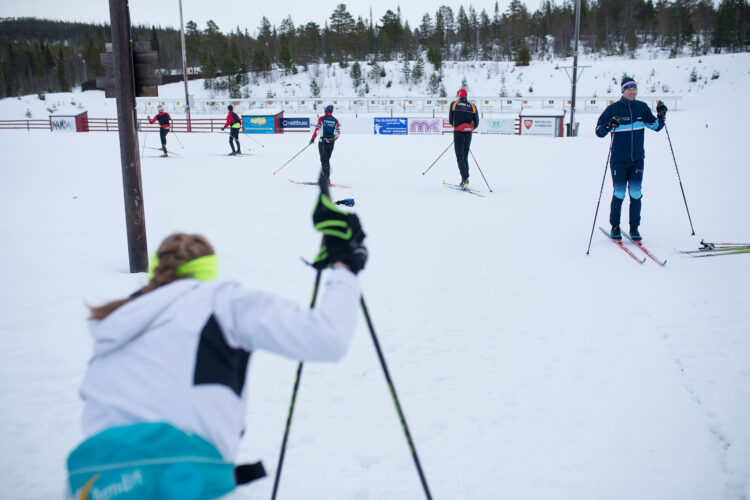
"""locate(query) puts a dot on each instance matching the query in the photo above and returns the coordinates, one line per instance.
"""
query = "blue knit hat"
(626, 83)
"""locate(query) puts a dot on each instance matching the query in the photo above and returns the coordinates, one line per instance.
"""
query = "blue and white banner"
(295, 123)
(391, 126)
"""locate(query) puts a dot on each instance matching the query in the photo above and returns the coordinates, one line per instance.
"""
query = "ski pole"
(606, 166)
(480, 170)
(395, 398)
(293, 401)
(436, 159)
(178, 140)
(253, 139)
(324, 190)
(290, 159)
(680, 180)
(145, 136)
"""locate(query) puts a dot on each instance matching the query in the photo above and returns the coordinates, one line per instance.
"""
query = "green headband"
(203, 268)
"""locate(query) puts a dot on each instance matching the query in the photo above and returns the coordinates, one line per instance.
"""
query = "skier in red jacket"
(234, 123)
(164, 125)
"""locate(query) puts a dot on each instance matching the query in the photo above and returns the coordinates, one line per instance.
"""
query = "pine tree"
(356, 75)
(62, 80)
(523, 57)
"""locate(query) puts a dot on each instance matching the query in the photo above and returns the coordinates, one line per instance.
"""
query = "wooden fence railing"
(25, 124)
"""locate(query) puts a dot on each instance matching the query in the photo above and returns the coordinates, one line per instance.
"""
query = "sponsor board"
(295, 123)
(503, 126)
(257, 124)
(425, 126)
(63, 123)
(538, 126)
(390, 126)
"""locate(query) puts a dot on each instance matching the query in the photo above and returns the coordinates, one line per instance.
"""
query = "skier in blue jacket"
(626, 119)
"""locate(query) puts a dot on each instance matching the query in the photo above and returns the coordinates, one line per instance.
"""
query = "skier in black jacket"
(464, 118)
(627, 119)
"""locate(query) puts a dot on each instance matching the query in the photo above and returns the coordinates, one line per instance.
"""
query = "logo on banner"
(261, 120)
(424, 126)
(528, 124)
(295, 123)
(391, 126)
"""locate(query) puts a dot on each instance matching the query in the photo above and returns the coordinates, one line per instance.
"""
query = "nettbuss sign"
(295, 123)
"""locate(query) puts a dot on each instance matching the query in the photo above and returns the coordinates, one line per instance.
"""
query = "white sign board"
(63, 123)
(538, 126)
(503, 126)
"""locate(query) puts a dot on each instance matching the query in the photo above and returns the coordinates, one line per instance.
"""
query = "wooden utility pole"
(135, 218)
(575, 71)
(184, 70)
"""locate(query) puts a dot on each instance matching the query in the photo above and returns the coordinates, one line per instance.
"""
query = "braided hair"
(174, 251)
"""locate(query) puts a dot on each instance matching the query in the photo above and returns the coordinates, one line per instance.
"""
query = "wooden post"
(135, 219)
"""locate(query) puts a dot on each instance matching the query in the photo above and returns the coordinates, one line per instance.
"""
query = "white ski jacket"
(179, 354)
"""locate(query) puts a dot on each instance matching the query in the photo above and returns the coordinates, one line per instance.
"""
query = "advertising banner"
(63, 123)
(391, 126)
(257, 124)
(425, 126)
(503, 126)
(295, 123)
(538, 126)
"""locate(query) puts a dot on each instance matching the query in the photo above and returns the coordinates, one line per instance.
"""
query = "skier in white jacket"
(167, 377)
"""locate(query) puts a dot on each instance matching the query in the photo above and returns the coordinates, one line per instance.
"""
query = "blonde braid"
(174, 251)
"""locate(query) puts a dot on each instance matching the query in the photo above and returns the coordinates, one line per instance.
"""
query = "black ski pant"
(325, 149)
(461, 143)
(234, 135)
(163, 136)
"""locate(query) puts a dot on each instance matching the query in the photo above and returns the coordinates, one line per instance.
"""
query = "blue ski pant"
(626, 175)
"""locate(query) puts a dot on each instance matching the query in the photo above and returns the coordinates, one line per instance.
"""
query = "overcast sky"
(229, 14)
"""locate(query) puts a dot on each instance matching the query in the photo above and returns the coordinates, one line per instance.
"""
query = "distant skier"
(330, 130)
(165, 122)
(627, 119)
(464, 118)
(234, 123)
(165, 393)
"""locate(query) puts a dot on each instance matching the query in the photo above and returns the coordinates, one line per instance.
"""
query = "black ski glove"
(312, 140)
(661, 110)
(342, 236)
(613, 123)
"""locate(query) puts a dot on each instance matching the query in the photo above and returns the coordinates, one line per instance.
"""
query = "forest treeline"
(39, 56)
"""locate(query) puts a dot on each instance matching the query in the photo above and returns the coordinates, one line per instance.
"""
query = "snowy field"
(526, 369)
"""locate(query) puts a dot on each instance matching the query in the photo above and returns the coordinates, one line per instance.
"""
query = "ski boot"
(634, 234)
(615, 233)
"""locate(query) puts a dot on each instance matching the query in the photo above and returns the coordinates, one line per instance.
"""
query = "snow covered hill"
(693, 79)
(526, 369)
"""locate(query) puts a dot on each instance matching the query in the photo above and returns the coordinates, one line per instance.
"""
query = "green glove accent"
(342, 236)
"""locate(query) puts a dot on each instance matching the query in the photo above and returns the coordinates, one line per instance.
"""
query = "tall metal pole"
(135, 218)
(184, 70)
(575, 70)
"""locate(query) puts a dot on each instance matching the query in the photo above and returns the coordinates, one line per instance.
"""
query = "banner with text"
(502, 126)
(390, 126)
(538, 126)
(295, 123)
(257, 124)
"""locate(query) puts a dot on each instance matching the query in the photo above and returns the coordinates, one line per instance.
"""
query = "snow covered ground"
(526, 369)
